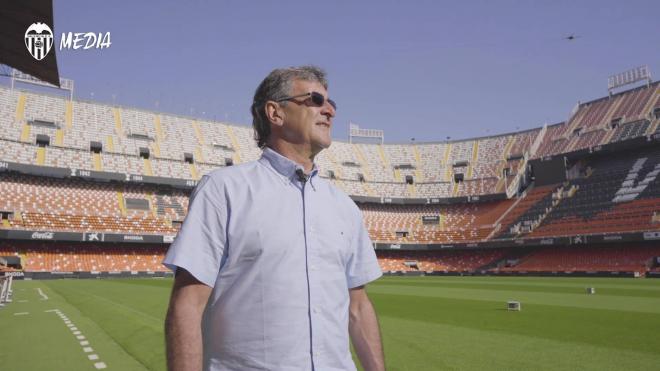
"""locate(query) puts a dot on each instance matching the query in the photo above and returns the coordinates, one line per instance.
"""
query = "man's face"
(304, 122)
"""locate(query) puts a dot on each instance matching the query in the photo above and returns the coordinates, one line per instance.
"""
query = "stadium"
(562, 220)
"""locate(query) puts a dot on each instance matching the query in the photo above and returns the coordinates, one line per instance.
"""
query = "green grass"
(428, 323)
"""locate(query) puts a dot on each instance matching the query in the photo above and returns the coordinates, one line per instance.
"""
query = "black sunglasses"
(317, 98)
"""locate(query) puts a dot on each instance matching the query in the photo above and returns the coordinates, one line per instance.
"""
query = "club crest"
(39, 40)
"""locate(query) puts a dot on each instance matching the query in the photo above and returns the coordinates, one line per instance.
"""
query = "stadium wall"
(33, 235)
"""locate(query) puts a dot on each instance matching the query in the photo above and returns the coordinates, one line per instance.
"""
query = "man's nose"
(328, 110)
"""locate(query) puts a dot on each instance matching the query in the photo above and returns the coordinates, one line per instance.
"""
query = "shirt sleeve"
(200, 244)
(362, 266)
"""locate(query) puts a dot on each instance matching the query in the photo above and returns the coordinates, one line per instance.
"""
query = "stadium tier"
(51, 131)
(93, 257)
(41, 203)
(74, 170)
(432, 224)
(619, 194)
(439, 261)
(85, 257)
(617, 258)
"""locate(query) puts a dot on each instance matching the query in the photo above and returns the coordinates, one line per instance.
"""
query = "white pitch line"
(21, 313)
(78, 334)
(43, 296)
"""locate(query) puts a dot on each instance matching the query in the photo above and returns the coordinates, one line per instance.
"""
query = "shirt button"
(315, 310)
(313, 267)
(312, 229)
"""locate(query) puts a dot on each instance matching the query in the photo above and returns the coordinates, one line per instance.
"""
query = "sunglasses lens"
(317, 99)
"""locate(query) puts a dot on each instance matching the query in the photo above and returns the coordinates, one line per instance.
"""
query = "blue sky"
(422, 69)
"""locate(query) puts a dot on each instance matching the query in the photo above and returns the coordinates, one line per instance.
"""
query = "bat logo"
(39, 40)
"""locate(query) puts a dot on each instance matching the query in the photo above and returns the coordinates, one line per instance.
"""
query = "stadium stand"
(453, 193)
(76, 205)
(122, 132)
(86, 257)
(553, 142)
(438, 261)
(91, 122)
(394, 223)
(525, 210)
(78, 159)
(620, 194)
(522, 143)
(8, 114)
(443, 189)
(633, 104)
(480, 186)
(18, 152)
(630, 130)
(619, 258)
(433, 164)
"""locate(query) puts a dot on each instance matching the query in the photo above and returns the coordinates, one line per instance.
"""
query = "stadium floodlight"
(18, 76)
(355, 131)
(631, 76)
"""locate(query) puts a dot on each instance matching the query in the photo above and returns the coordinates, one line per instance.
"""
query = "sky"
(416, 69)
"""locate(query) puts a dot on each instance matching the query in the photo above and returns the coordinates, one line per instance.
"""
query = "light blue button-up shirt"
(280, 255)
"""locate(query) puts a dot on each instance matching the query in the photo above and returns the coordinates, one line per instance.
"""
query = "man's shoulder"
(225, 173)
(225, 178)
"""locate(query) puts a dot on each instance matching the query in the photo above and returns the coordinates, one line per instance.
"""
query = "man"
(272, 260)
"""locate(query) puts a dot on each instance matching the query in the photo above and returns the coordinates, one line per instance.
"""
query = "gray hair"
(277, 85)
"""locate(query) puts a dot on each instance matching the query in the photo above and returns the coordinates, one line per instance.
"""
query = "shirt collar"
(284, 166)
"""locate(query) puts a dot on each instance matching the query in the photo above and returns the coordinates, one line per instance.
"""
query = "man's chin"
(320, 146)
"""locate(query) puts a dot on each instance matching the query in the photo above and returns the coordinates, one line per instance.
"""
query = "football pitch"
(428, 323)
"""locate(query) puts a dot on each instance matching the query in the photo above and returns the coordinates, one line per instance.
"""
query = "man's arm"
(364, 331)
(183, 324)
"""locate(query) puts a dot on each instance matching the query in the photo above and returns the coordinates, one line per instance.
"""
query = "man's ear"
(274, 113)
